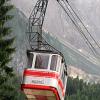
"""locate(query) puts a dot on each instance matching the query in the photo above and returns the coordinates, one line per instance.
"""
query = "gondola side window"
(30, 60)
(63, 77)
(63, 73)
(54, 62)
(41, 61)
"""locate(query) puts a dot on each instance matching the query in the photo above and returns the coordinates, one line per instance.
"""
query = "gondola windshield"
(41, 61)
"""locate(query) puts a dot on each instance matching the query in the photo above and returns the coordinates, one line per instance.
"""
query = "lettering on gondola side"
(38, 81)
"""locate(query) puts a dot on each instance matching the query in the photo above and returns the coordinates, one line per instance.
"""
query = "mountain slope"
(72, 56)
(18, 24)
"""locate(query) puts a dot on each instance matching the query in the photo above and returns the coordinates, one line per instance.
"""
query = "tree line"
(80, 90)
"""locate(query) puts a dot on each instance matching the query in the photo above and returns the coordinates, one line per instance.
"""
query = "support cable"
(79, 29)
(83, 25)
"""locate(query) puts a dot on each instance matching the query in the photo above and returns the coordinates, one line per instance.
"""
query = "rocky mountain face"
(77, 72)
(87, 64)
(18, 24)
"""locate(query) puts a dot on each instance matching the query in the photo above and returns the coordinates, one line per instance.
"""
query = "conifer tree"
(9, 85)
(5, 41)
(6, 49)
(79, 90)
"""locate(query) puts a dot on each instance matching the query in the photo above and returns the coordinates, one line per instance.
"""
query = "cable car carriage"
(45, 77)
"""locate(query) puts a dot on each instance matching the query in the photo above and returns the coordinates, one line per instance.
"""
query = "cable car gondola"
(46, 76)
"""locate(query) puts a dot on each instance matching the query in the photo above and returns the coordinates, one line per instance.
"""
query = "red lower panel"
(45, 74)
(40, 87)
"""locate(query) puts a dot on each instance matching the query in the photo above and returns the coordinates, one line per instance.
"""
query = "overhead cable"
(83, 24)
(79, 29)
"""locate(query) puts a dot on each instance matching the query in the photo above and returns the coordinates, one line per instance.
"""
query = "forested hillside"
(79, 90)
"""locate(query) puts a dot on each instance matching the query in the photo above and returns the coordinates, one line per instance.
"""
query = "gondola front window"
(41, 61)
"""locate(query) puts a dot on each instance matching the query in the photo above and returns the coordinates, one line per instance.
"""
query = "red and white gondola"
(45, 78)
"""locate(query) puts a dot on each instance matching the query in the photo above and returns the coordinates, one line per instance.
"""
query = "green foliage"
(79, 90)
(10, 90)
(5, 43)
(9, 87)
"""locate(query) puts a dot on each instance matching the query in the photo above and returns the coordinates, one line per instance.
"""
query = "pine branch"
(2, 2)
(10, 50)
(5, 9)
(2, 79)
(5, 31)
(6, 43)
(5, 62)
